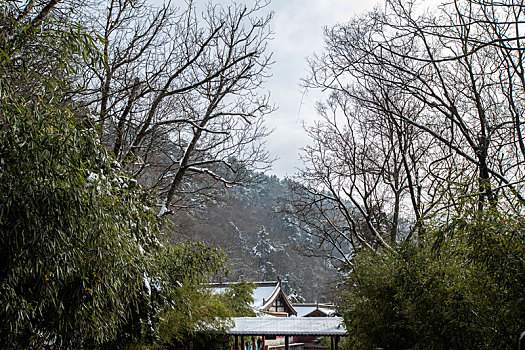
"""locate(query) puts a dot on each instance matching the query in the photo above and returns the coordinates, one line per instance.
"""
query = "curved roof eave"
(276, 292)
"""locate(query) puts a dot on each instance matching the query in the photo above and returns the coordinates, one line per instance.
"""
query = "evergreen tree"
(262, 251)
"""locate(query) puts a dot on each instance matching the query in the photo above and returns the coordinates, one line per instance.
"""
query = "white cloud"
(298, 27)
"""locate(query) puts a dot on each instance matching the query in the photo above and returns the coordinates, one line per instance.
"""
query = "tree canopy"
(415, 175)
(85, 262)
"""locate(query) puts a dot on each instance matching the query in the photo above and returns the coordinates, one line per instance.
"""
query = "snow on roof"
(305, 309)
(278, 326)
(329, 312)
(261, 293)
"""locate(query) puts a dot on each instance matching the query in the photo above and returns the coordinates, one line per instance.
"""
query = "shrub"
(461, 286)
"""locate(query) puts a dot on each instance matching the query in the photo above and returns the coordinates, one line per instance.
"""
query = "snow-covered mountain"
(261, 241)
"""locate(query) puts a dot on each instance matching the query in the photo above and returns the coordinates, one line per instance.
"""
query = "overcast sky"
(298, 33)
(298, 27)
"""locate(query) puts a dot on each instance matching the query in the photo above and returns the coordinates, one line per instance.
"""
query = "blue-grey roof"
(314, 326)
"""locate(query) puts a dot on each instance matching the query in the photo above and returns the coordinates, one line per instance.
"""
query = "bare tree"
(361, 179)
(424, 109)
(501, 23)
(179, 99)
(458, 77)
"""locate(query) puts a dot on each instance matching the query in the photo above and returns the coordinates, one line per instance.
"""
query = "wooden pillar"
(336, 342)
(253, 343)
(331, 342)
(236, 343)
(286, 343)
(242, 342)
(264, 342)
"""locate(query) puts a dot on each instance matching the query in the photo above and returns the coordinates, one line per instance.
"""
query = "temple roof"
(264, 294)
(281, 326)
(306, 309)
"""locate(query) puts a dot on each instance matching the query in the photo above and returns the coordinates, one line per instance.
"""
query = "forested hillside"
(261, 240)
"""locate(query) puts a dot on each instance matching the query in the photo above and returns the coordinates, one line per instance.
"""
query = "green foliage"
(202, 317)
(39, 59)
(82, 260)
(175, 306)
(237, 299)
(78, 235)
(462, 286)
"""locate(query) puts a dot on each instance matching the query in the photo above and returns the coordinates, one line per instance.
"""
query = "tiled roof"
(305, 309)
(261, 294)
(314, 326)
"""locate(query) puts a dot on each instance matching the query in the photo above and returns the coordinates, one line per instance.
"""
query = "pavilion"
(287, 327)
